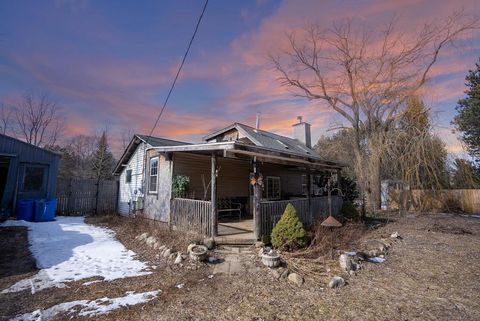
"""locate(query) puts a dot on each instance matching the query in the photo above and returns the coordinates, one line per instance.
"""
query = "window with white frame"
(273, 191)
(153, 181)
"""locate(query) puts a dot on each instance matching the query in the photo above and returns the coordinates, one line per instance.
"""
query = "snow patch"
(87, 308)
(69, 250)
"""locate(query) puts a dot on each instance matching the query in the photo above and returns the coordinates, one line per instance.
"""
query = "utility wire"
(179, 70)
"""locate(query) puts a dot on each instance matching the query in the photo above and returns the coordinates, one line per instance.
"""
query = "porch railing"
(191, 215)
(271, 211)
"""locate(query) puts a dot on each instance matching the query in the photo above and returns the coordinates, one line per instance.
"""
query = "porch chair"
(226, 205)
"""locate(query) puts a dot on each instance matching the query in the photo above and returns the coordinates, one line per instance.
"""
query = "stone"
(395, 235)
(167, 253)
(189, 248)
(172, 256)
(161, 247)
(295, 278)
(184, 256)
(260, 252)
(336, 281)
(156, 245)
(142, 236)
(275, 273)
(259, 244)
(209, 243)
(150, 240)
(345, 262)
(179, 258)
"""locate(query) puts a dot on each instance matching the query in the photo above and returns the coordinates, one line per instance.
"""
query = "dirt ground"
(432, 273)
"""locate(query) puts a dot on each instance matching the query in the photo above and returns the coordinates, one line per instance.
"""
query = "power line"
(179, 69)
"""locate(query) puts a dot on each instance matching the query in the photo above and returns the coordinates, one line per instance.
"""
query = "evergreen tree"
(102, 162)
(468, 119)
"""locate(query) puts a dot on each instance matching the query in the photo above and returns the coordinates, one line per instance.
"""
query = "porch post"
(257, 194)
(309, 195)
(213, 198)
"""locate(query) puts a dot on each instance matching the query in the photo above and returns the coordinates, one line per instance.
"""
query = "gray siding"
(157, 205)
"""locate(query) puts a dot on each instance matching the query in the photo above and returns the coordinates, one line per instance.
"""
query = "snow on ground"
(87, 308)
(68, 250)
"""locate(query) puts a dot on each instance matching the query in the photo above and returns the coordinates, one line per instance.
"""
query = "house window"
(128, 178)
(33, 178)
(152, 187)
(273, 188)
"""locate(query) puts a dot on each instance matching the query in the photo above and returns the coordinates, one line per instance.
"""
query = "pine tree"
(468, 119)
(102, 162)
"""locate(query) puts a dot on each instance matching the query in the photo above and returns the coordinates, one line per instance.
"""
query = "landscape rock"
(295, 278)
(395, 235)
(190, 246)
(172, 256)
(345, 262)
(275, 273)
(284, 274)
(156, 245)
(336, 281)
(209, 243)
(259, 244)
(142, 236)
(179, 258)
(150, 240)
(167, 253)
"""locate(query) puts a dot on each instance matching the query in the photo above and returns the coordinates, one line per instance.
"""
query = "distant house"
(240, 181)
(26, 171)
(130, 168)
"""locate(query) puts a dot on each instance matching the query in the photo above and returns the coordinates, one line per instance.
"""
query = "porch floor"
(236, 230)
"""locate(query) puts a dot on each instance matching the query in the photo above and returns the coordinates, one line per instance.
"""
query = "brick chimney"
(301, 132)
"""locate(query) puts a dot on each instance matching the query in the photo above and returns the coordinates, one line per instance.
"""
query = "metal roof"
(268, 140)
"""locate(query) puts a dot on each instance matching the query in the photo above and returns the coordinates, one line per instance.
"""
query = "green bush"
(180, 186)
(289, 233)
(349, 211)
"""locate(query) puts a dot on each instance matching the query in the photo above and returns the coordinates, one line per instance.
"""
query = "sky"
(110, 64)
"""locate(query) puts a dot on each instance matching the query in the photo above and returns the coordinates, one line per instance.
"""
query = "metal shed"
(26, 171)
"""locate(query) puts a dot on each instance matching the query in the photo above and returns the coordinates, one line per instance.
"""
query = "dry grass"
(431, 274)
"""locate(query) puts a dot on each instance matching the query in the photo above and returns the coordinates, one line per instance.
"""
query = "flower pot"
(271, 260)
(198, 253)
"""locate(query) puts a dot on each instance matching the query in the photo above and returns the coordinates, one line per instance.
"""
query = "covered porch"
(238, 191)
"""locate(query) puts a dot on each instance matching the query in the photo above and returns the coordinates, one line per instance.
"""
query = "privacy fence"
(77, 197)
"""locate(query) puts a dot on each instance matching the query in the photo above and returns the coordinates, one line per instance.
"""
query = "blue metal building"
(26, 171)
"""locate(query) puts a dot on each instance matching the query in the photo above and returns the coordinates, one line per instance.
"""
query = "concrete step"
(234, 242)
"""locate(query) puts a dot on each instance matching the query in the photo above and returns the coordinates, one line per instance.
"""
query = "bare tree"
(127, 135)
(38, 120)
(366, 75)
(6, 114)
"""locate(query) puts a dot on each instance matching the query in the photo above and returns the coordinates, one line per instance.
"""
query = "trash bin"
(44, 210)
(25, 210)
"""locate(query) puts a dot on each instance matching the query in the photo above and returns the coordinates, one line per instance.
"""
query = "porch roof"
(234, 148)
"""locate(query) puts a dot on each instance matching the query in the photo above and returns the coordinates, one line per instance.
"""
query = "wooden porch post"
(309, 195)
(213, 198)
(257, 195)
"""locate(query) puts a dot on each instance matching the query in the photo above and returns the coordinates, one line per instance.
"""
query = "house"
(26, 171)
(243, 172)
(130, 168)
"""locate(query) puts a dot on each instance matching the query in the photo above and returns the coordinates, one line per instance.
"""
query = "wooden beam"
(257, 195)
(309, 195)
(214, 218)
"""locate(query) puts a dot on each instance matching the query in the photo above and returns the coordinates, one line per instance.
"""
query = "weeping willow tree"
(413, 153)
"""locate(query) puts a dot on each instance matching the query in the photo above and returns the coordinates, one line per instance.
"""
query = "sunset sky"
(109, 64)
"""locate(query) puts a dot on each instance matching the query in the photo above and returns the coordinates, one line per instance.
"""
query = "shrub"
(180, 186)
(289, 233)
(350, 211)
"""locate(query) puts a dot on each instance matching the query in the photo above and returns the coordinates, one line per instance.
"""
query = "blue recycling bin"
(25, 210)
(44, 210)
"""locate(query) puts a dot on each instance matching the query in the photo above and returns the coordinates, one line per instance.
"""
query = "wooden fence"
(86, 196)
(467, 200)
(191, 215)
(271, 211)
